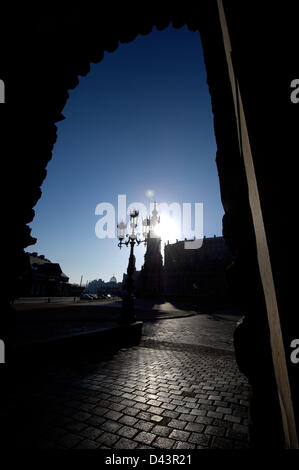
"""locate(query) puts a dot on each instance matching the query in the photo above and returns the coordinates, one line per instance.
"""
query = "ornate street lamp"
(128, 314)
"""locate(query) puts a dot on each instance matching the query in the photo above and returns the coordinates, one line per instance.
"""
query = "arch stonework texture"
(54, 47)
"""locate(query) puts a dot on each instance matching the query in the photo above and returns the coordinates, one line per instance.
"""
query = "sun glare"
(168, 229)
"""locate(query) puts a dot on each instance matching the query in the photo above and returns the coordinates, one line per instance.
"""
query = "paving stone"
(87, 444)
(175, 392)
(183, 445)
(127, 402)
(144, 425)
(163, 431)
(215, 414)
(189, 400)
(141, 399)
(203, 420)
(111, 426)
(177, 424)
(168, 406)
(190, 406)
(244, 402)
(218, 403)
(152, 396)
(144, 415)
(107, 439)
(207, 407)
(129, 396)
(95, 420)
(194, 427)
(215, 430)
(202, 390)
(240, 428)
(222, 423)
(203, 401)
(182, 409)
(199, 439)
(170, 414)
(221, 443)
(127, 431)
(154, 403)
(103, 396)
(175, 401)
(157, 418)
(116, 393)
(162, 395)
(236, 436)
(105, 404)
(187, 417)
(226, 411)
(129, 389)
(198, 412)
(145, 437)
(141, 406)
(163, 443)
(240, 414)
(124, 443)
(143, 446)
(100, 410)
(113, 415)
(91, 433)
(155, 410)
(214, 397)
(232, 419)
(130, 411)
(116, 406)
(179, 435)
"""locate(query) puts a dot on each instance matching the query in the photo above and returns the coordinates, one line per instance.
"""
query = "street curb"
(186, 347)
(101, 340)
(170, 317)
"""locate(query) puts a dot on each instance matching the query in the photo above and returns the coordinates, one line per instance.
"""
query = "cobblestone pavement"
(167, 393)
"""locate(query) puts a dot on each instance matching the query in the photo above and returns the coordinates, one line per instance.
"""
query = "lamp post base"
(127, 310)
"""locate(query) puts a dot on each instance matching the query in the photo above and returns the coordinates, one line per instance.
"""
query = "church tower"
(151, 271)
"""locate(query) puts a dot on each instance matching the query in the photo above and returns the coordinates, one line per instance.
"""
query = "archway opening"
(151, 363)
(138, 128)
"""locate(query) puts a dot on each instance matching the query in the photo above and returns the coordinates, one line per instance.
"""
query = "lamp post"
(132, 239)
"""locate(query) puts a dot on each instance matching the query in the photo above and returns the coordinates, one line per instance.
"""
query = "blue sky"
(141, 119)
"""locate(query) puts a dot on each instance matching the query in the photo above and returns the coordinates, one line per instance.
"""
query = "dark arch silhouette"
(53, 47)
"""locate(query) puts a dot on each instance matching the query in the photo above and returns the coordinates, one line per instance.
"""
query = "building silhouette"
(185, 272)
(199, 272)
(98, 286)
(150, 277)
(42, 277)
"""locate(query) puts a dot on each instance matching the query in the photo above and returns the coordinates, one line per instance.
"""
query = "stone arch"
(57, 73)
